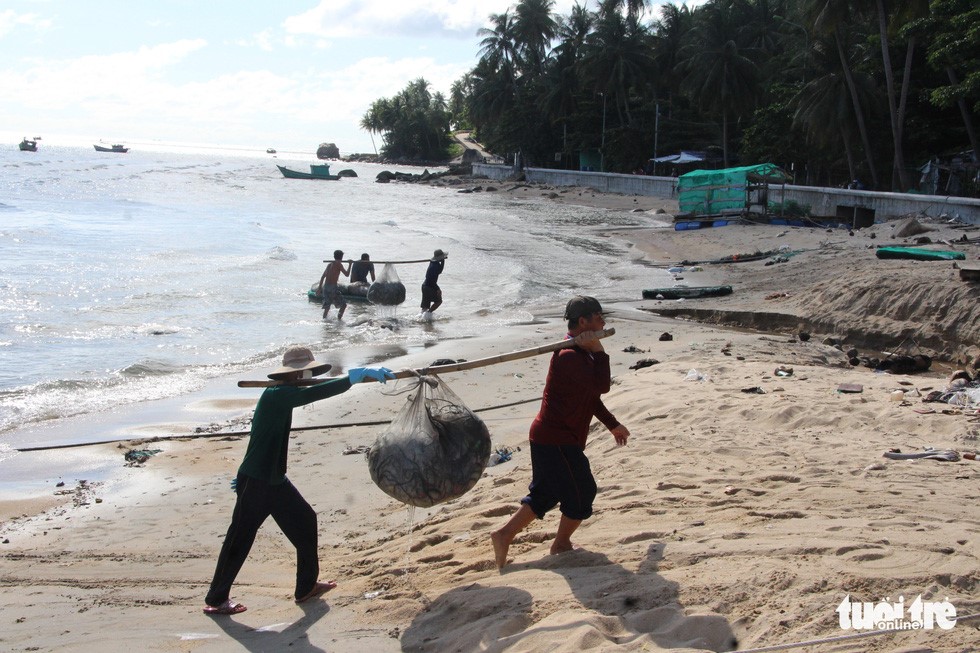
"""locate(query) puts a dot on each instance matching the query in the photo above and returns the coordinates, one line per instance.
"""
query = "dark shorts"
(332, 297)
(430, 295)
(560, 474)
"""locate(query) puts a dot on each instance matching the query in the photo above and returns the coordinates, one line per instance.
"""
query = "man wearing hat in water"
(262, 486)
(560, 471)
(431, 292)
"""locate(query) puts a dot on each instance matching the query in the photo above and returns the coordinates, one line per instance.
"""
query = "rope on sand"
(840, 638)
(221, 434)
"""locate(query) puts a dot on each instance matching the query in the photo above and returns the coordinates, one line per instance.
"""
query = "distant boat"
(114, 148)
(687, 292)
(28, 145)
(271, 150)
(321, 171)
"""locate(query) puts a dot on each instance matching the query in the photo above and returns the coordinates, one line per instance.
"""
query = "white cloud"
(10, 20)
(361, 18)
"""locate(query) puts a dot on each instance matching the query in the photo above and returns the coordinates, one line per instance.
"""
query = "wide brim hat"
(298, 359)
(439, 254)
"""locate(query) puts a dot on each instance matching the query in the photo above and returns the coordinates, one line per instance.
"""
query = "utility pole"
(602, 146)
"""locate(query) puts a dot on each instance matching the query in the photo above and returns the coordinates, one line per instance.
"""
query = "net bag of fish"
(387, 289)
(435, 450)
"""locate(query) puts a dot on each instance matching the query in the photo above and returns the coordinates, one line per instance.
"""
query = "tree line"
(831, 90)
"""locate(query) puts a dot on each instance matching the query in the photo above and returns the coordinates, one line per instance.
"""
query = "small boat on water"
(687, 292)
(351, 292)
(271, 150)
(118, 148)
(28, 145)
(317, 171)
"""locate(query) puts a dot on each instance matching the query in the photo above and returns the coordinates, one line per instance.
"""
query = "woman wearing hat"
(262, 486)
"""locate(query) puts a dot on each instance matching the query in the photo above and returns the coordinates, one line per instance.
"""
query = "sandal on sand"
(948, 455)
(318, 590)
(228, 607)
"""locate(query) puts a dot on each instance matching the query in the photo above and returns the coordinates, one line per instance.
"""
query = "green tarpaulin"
(709, 192)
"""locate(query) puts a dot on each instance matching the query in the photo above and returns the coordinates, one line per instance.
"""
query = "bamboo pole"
(452, 367)
(348, 260)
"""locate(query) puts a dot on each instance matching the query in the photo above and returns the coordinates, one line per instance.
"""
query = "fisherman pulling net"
(435, 450)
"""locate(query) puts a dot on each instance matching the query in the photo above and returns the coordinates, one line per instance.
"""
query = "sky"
(285, 74)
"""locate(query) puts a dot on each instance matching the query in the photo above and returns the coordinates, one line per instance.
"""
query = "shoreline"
(731, 514)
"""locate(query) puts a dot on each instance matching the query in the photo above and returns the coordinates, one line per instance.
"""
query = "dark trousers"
(560, 474)
(294, 516)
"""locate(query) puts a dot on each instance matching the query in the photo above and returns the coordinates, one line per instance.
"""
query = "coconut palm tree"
(534, 29)
(831, 17)
(718, 73)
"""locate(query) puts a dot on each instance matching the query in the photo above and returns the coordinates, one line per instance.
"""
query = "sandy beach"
(752, 499)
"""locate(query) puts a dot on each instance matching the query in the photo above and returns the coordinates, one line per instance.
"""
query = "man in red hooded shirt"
(560, 471)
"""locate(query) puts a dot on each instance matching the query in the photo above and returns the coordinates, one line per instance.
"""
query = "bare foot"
(500, 548)
(319, 589)
(560, 547)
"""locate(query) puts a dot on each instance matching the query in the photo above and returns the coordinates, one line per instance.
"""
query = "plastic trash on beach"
(694, 375)
(388, 289)
(966, 397)
(435, 449)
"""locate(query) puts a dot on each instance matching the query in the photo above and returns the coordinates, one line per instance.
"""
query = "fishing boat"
(317, 171)
(352, 292)
(687, 292)
(28, 145)
(270, 150)
(121, 149)
(919, 254)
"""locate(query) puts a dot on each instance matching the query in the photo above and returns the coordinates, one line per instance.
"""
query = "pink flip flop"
(318, 590)
(228, 607)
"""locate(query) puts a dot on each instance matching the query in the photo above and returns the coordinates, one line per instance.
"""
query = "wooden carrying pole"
(421, 260)
(452, 367)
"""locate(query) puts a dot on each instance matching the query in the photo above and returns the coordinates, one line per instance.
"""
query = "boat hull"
(27, 146)
(118, 149)
(348, 292)
(295, 174)
(687, 292)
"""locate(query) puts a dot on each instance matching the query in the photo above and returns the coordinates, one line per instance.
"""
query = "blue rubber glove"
(234, 484)
(361, 374)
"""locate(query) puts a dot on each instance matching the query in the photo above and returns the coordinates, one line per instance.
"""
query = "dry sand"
(730, 517)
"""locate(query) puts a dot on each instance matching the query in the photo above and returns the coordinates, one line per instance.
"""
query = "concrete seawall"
(822, 201)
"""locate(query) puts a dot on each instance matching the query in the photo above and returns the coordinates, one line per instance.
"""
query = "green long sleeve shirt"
(268, 442)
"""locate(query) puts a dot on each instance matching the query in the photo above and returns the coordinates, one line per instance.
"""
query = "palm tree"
(634, 8)
(830, 17)
(534, 29)
(719, 75)
(823, 105)
(498, 46)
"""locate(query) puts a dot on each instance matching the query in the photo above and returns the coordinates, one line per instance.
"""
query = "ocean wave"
(156, 330)
(281, 254)
(150, 368)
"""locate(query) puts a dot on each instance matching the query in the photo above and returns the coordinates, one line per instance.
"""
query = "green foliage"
(413, 125)
(799, 83)
(790, 209)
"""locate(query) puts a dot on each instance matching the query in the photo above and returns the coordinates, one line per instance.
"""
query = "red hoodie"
(576, 379)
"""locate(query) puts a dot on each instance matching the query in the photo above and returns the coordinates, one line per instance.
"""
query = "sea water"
(127, 280)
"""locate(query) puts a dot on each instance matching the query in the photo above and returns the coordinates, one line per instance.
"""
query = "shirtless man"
(328, 285)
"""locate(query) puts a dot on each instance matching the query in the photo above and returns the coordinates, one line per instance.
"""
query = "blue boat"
(317, 171)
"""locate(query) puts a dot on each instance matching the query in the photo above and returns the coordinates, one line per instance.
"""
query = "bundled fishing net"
(435, 449)
(387, 290)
